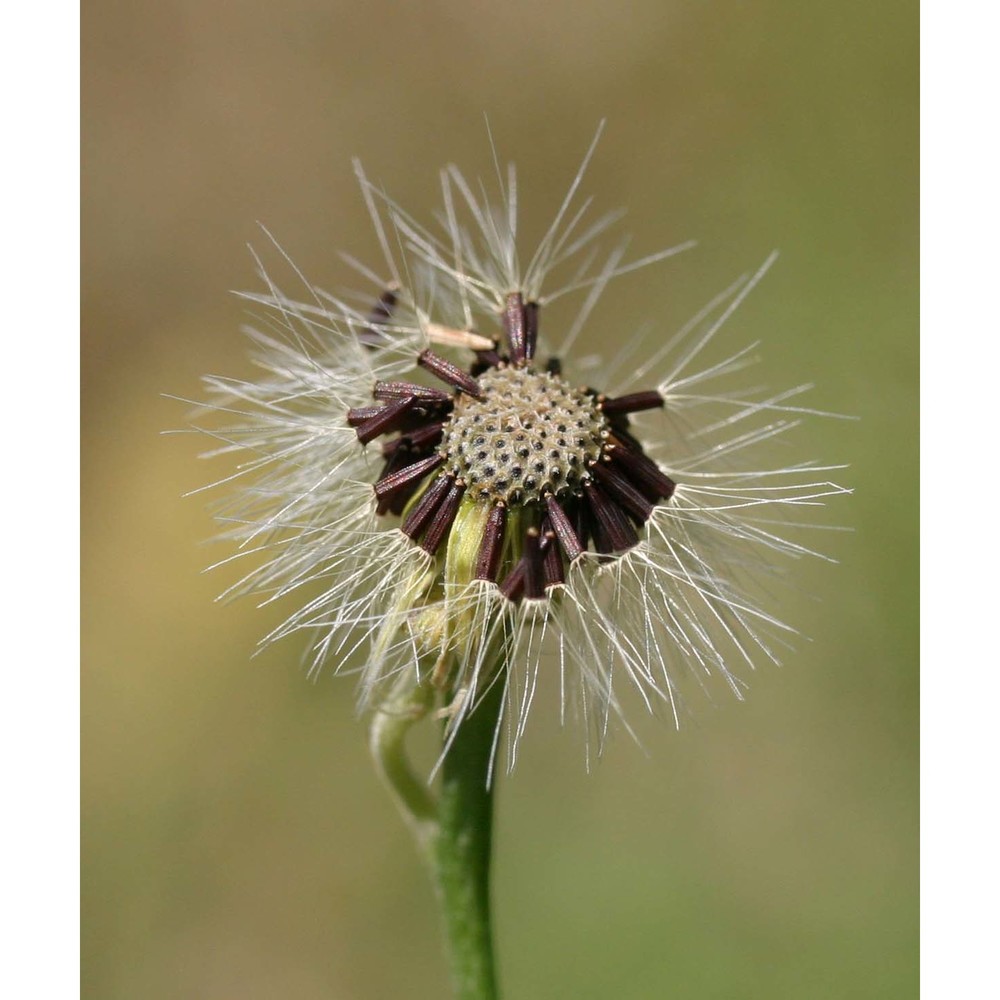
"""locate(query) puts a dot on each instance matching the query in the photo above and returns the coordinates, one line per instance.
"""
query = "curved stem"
(408, 703)
(462, 849)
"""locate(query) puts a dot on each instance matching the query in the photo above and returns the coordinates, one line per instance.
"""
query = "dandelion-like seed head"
(461, 507)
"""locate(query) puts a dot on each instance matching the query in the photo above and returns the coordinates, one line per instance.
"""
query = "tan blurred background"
(236, 842)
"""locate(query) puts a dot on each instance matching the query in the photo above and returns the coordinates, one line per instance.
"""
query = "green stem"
(408, 703)
(462, 850)
(454, 833)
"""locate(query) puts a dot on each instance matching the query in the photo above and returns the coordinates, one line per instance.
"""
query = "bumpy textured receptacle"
(557, 461)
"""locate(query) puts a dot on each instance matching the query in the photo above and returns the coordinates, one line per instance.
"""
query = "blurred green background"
(236, 843)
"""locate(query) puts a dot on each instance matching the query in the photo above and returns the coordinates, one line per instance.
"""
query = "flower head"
(459, 503)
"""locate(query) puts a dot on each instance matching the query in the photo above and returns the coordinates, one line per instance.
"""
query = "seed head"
(437, 477)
